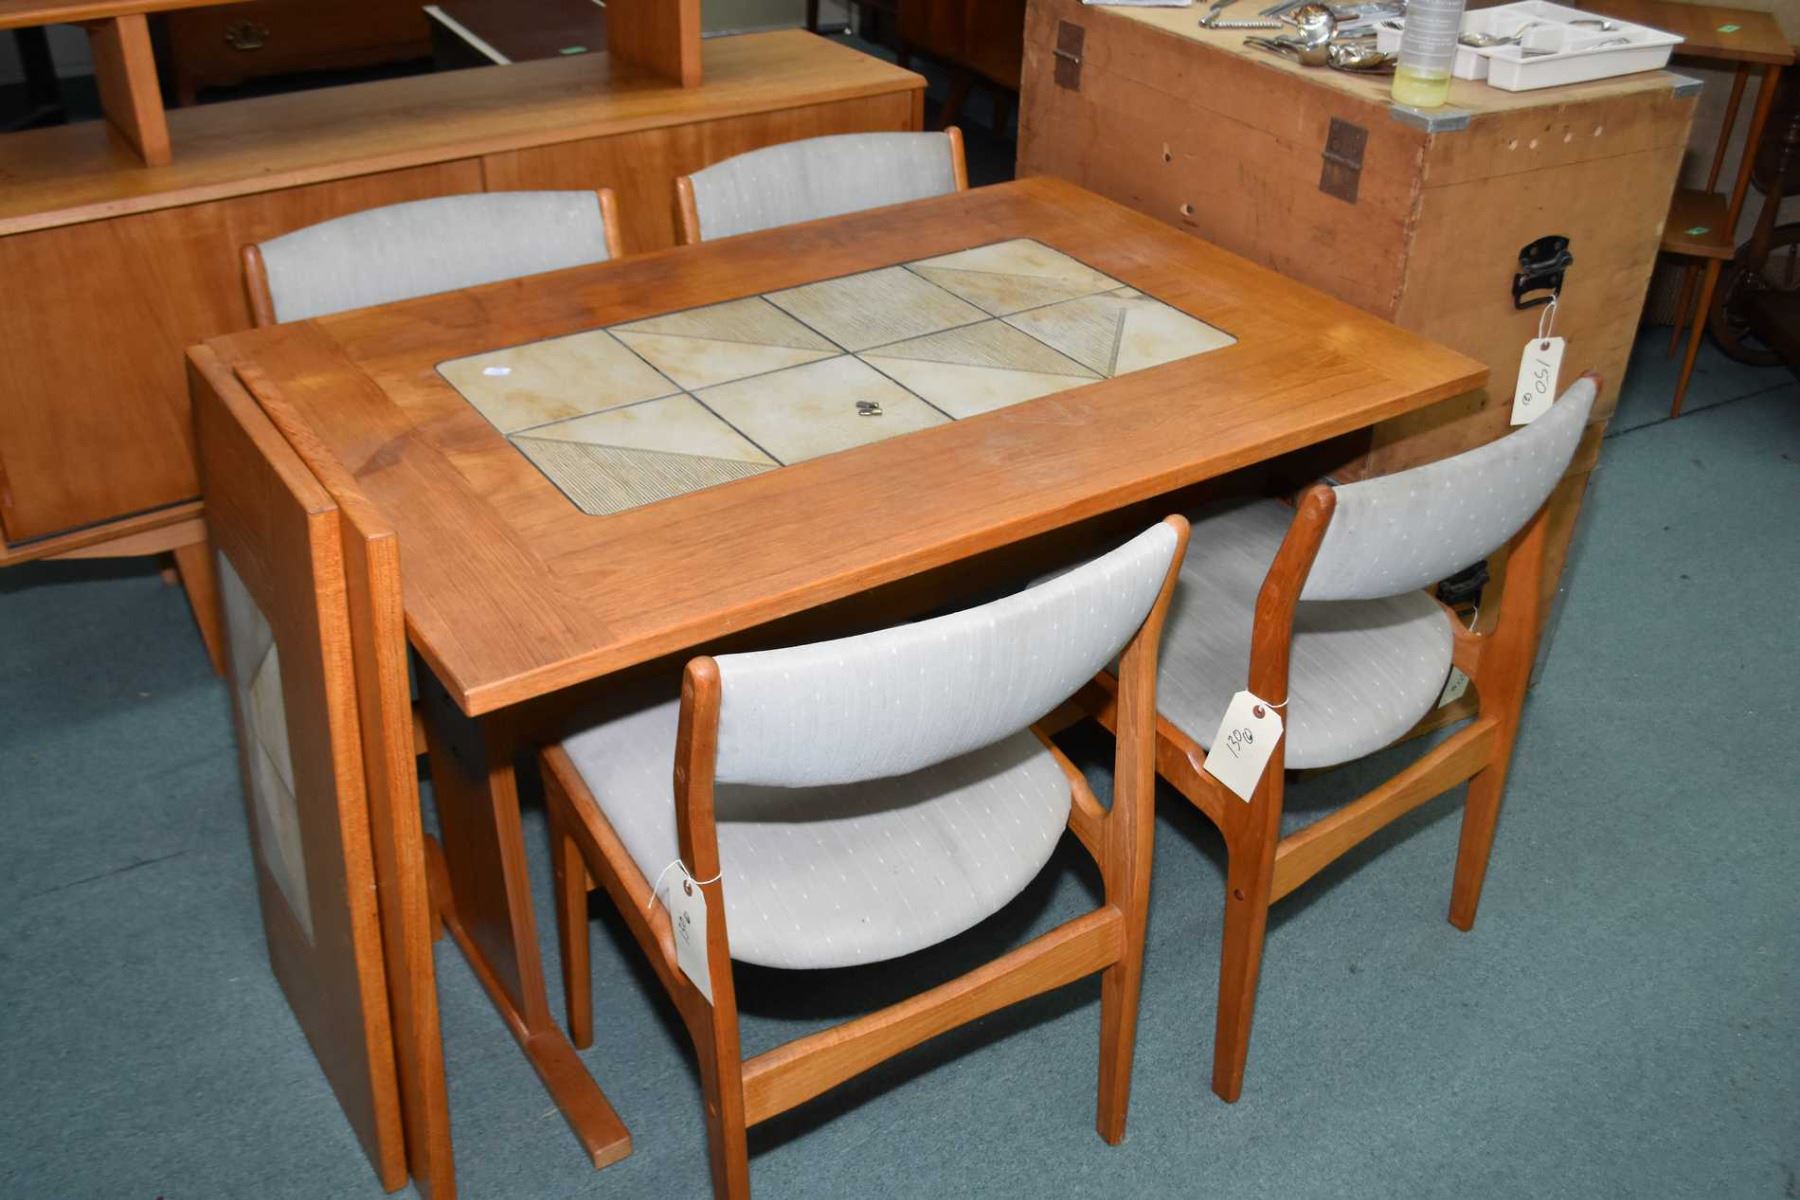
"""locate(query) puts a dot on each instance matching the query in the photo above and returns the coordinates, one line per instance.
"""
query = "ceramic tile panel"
(670, 404)
(637, 454)
(977, 368)
(554, 380)
(876, 307)
(1008, 277)
(722, 342)
(1118, 334)
(805, 412)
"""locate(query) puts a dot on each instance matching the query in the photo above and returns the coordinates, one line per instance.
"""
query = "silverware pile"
(1339, 37)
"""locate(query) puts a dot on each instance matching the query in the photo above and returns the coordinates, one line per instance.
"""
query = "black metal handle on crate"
(1541, 267)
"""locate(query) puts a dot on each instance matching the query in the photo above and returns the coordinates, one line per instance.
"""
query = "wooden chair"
(316, 648)
(420, 247)
(906, 754)
(1319, 608)
(815, 178)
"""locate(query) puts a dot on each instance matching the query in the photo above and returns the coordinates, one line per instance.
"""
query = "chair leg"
(1120, 985)
(722, 1085)
(1248, 877)
(1707, 283)
(1481, 816)
(571, 887)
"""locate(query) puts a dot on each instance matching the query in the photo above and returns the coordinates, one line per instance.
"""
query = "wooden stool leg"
(1708, 282)
(571, 888)
(195, 565)
(1681, 307)
(1247, 879)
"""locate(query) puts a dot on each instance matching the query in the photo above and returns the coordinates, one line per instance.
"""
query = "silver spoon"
(1482, 41)
(1306, 56)
(1358, 56)
(1618, 41)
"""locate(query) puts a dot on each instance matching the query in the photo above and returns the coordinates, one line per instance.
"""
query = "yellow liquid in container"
(1419, 88)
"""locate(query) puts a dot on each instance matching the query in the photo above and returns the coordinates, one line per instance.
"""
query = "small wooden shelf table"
(1703, 221)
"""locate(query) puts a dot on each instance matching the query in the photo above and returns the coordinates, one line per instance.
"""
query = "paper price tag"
(1241, 748)
(687, 913)
(1454, 687)
(1538, 369)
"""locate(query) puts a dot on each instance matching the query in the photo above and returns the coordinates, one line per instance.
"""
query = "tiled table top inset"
(650, 409)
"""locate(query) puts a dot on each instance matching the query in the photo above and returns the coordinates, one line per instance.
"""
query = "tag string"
(1547, 322)
(674, 865)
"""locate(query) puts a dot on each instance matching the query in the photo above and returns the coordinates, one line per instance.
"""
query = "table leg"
(487, 906)
(1759, 116)
(1708, 282)
(1738, 81)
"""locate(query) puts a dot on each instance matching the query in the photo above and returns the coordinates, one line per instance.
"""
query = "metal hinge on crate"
(1070, 38)
(1341, 175)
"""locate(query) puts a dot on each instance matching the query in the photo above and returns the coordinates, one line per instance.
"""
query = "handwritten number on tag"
(1247, 736)
(1539, 367)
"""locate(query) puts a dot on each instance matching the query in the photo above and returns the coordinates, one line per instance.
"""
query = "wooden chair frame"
(1262, 866)
(262, 302)
(738, 1094)
(687, 212)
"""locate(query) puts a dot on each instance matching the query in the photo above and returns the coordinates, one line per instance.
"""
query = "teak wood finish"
(262, 302)
(1108, 940)
(687, 212)
(514, 596)
(1261, 865)
(278, 527)
(373, 609)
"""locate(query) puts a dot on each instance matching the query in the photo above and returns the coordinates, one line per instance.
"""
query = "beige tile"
(554, 380)
(966, 391)
(805, 412)
(1008, 277)
(753, 320)
(989, 344)
(1116, 335)
(876, 307)
(701, 362)
(672, 425)
(601, 480)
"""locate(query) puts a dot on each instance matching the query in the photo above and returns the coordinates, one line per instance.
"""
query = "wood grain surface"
(511, 592)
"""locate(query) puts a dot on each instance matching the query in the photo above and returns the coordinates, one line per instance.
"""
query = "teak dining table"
(515, 598)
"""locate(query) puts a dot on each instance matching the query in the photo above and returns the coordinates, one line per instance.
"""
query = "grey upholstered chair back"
(902, 699)
(426, 246)
(1405, 531)
(820, 177)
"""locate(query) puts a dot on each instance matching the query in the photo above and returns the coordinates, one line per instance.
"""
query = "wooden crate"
(1415, 217)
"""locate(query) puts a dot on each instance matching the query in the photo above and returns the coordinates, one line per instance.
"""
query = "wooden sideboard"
(215, 47)
(113, 268)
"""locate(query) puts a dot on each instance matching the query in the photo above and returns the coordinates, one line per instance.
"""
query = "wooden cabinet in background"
(112, 270)
(217, 47)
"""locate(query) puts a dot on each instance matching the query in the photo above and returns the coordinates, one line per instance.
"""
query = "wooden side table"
(1703, 222)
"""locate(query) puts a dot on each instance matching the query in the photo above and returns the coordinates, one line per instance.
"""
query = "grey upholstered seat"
(424, 246)
(830, 876)
(877, 794)
(820, 177)
(1370, 652)
(1361, 672)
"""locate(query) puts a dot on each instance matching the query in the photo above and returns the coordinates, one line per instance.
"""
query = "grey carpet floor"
(1622, 1022)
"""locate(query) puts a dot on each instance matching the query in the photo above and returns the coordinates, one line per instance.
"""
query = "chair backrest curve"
(820, 177)
(421, 247)
(1405, 531)
(902, 699)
